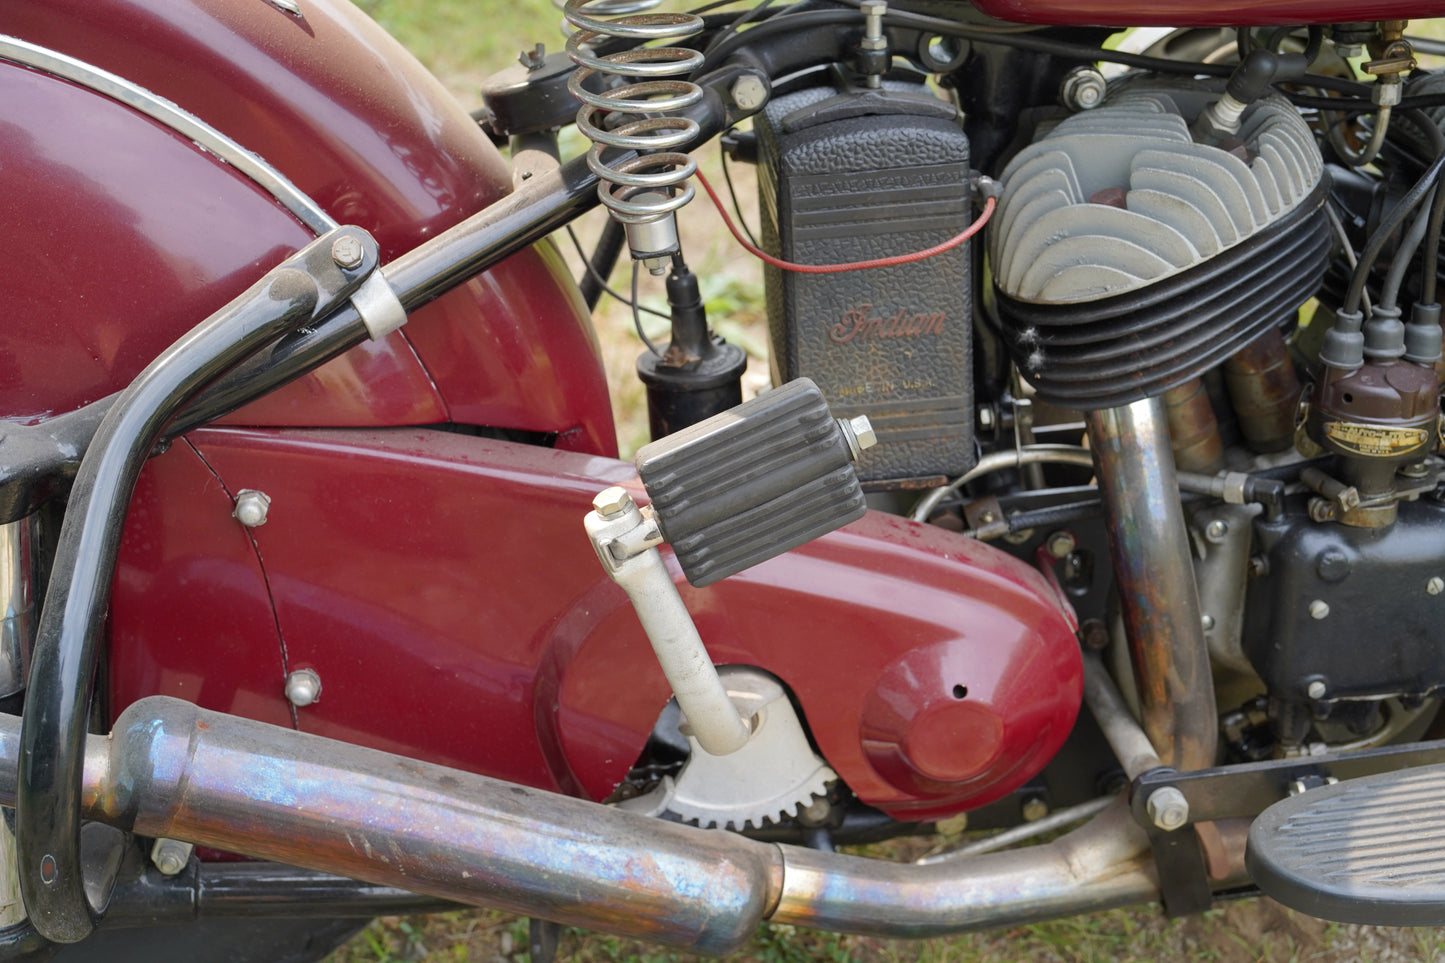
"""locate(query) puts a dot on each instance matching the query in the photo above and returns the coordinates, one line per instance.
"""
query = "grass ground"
(464, 40)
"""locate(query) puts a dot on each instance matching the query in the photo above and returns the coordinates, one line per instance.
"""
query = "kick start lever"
(727, 493)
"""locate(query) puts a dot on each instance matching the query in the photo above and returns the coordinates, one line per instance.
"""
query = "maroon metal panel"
(442, 587)
(1194, 13)
(331, 101)
(191, 614)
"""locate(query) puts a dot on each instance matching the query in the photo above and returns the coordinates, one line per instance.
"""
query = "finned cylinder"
(1264, 391)
(1193, 429)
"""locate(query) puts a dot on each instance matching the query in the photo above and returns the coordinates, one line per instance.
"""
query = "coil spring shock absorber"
(644, 191)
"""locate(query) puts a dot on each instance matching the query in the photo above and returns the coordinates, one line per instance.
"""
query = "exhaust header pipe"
(171, 769)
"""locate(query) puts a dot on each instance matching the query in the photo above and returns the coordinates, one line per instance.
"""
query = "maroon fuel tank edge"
(1205, 13)
(443, 589)
(115, 245)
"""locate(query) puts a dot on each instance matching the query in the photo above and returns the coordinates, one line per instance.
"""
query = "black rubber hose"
(67, 644)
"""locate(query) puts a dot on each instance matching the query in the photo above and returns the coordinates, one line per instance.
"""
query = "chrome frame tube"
(1154, 571)
(17, 604)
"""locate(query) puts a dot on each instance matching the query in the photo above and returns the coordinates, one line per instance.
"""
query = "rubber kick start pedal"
(755, 481)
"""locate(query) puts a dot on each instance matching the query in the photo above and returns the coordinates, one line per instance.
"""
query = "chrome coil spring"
(652, 185)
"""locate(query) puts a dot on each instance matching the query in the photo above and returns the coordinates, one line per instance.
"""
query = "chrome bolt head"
(1168, 809)
(612, 502)
(1216, 530)
(303, 687)
(1083, 89)
(252, 507)
(347, 252)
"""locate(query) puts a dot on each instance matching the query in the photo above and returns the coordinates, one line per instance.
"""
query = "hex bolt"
(347, 252)
(252, 507)
(612, 502)
(303, 687)
(859, 434)
(1060, 544)
(1435, 586)
(1216, 530)
(1083, 89)
(748, 92)
(1319, 610)
(170, 856)
(1316, 689)
(1168, 809)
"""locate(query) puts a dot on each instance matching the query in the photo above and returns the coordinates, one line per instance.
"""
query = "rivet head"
(252, 507)
(303, 687)
(347, 252)
(612, 502)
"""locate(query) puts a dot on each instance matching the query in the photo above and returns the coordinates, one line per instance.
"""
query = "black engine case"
(1382, 631)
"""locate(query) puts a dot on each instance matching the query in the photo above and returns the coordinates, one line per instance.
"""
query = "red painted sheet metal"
(442, 587)
(141, 252)
(191, 616)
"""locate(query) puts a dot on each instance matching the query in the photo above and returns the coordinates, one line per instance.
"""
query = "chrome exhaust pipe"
(171, 769)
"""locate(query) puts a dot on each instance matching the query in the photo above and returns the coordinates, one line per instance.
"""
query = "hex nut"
(252, 507)
(170, 856)
(863, 431)
(347, 252)
(1167, 808)
(303, 687)
(1083, 89)
(611, 502)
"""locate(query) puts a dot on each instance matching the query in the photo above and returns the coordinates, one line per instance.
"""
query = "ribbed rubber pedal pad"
(754, 481)
(1369, 850)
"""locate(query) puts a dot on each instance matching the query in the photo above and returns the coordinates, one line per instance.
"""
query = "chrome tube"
(171, 769)
(1154, 570)
(17, 604)
(1103, 864)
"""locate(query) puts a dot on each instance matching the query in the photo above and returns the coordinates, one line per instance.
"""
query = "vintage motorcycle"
(1106, 376)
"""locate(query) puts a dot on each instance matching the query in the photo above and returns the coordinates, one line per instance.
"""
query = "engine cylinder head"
(1130, 259)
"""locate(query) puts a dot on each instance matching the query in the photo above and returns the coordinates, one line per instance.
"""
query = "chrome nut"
(170, 856)
(252, 507)
(303, 687)
(1168, 809)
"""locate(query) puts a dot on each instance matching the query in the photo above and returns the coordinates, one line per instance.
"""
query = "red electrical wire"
(947, 245)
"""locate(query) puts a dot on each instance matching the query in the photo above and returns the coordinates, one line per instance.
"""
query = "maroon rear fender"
(121, 234)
